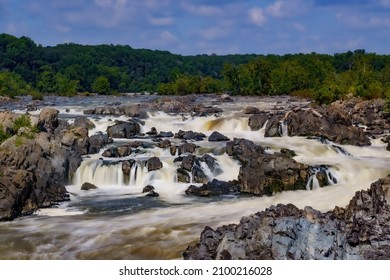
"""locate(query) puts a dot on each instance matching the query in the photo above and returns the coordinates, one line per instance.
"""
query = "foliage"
(3, 135)
(68, 69)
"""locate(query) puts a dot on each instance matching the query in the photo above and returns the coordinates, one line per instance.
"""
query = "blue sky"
(205, 27)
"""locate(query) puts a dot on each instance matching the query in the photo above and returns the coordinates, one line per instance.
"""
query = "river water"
(117, 221)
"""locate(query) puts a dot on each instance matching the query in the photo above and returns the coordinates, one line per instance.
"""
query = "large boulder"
(213, 188)
(124, 130)
(48, 120)
(154, 163)
(262, 173)
(359, 231)
(217, 137)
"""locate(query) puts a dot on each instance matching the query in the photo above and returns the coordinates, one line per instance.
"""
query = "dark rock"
(287, 152)
(188, 162)
(152, 132)
(250, 110)
(152, 193)
(88, 186)
(187, 148)
(97, 142)
(263, 173)
(84, 122)
(165, 134)
(183, 176)
(217, 137)
(213, 188)
(172, 150)
(257, 121)
(164, 144)
(359, 231)
(154, 163)
(147, 189)
(124, 130)
(124, 150)
(190, 135)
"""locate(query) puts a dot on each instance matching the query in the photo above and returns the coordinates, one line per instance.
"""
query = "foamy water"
(116, 221)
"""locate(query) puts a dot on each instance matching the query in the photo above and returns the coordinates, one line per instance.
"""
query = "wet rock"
(164, 144)
(359, 231)
(217, 137)
(152, 132)
(250, 110)
(172, 150)
(188, 162)
(187, 148)
(154, 163)
(213, 188)
(84, 122)
(183, 176)
(147, 189)
(97, 142)
(124, 130)
(262, 173)
(287, 152)
(257, 121)
(88, 186)
(165, 134)
(152, 193)
(190, 135)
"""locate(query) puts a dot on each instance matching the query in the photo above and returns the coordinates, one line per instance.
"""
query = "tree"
(101, 85)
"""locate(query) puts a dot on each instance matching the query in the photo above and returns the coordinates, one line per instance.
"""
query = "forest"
(68, 69)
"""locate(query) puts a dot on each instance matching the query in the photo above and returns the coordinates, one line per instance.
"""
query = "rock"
(124, 130)
(257, 121)
(213, 188)
(152, 193)
(250, 110)
(48, 120)
(187, 148)
(359, 231)
(190, 135)
(88, 186)
(172, 150)
(84, 122)
(287, 152)
(165, 134)
(183, 176)
(263, 173)
(154, 163)
(152, 132)
(147, 189)
(124, 151)
(164, 144)
(188, 162)
(217, 137)
(77, 137)
(97, 142)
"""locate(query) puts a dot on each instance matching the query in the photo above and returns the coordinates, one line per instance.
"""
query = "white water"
(116, 221)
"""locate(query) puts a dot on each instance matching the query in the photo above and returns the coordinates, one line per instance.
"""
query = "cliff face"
(359, 231)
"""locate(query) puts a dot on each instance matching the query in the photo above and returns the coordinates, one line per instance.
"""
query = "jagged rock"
(188, 162)
(97, 142)
(77, 137)
(154, 163)
(152, 193)
(213, 188)
(217, 137)
(183, 176)
(359, 231)
(190, 135)
(124, 130)
(257, 121)
(263, 173)
(147, 189)
(48, 120)
(164, 144)
(187, 148)
(88, 186)
(84, 122)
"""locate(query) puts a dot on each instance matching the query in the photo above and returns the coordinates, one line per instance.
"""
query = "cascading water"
(117, 221)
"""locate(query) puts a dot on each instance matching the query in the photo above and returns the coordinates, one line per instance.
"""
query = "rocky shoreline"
(37, 161)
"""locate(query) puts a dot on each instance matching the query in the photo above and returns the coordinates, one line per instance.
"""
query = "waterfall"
(283, 129)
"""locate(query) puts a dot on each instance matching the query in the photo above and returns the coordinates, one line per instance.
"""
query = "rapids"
(117, 221)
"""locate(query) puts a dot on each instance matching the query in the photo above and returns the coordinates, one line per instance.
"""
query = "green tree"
(101, 85)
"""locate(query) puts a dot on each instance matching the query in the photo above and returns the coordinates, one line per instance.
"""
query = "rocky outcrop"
(359, 231)
(34, 167)
(123, 129)
(213, 188)
(262, 173)
(217, 137)
(154, 163)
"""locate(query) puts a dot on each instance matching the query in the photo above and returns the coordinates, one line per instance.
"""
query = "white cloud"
(283, 9)
(257, 16)
(214, 32)
(162, 21)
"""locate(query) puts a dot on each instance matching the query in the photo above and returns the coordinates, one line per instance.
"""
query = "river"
(117, 221)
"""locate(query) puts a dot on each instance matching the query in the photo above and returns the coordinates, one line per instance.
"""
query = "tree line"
(69, 69)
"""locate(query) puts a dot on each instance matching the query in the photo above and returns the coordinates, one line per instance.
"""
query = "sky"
(191, 27)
